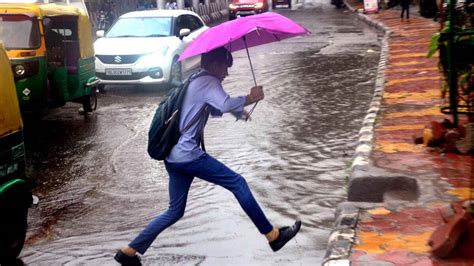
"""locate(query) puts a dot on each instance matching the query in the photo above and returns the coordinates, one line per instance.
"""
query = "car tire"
(176, 73)
(289, 4)
(231, 17)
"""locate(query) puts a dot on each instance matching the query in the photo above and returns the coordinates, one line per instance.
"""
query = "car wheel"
(176, 72)
(289, 4)
(13, 233)
(231, 17)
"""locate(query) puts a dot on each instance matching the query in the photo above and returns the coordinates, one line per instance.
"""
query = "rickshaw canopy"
(84, 25)
(54, 10)
(10, 117)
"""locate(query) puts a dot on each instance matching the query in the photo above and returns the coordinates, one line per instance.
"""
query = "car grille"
(118, 59)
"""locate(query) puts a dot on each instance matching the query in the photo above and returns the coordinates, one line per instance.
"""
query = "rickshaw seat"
(72, 56)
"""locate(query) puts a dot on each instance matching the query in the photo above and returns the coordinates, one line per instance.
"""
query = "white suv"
(143, 47)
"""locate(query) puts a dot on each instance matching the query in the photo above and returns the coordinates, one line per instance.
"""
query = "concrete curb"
(342, 236)
(362, 172)
(366, 133)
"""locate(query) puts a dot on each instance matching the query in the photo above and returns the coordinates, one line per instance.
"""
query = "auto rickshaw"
(51, 53)
(15, 187)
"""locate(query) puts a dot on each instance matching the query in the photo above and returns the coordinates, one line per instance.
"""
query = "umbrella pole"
(253, 75)
(250, 61)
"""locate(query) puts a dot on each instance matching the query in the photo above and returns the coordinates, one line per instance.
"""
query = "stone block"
(369, 184)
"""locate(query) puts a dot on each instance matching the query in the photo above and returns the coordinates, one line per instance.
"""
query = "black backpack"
(164, 129)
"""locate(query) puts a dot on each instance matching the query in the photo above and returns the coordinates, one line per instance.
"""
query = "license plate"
(118, 71)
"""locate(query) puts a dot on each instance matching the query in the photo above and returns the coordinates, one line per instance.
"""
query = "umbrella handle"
(251, 111)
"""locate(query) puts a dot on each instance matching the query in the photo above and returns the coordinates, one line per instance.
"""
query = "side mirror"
(100, 33)
(183, 33)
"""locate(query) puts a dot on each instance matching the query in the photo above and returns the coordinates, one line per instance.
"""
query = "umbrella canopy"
(245, 32)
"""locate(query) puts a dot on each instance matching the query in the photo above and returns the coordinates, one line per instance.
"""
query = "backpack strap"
(194, 76)
(194, 120)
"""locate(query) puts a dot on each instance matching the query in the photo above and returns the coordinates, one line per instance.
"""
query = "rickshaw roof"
(51, 10)
(40, 9)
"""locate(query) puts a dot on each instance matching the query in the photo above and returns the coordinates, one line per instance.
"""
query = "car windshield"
(19, 32)
(141, 27)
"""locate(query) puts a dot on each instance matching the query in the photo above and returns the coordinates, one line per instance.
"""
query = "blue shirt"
(205, 96)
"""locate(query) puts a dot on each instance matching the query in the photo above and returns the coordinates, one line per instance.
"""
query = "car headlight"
(153, 58)
(258, 5)
(232, 6)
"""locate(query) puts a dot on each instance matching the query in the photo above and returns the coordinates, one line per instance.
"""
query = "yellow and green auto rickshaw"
(15, 187)
(51, 52)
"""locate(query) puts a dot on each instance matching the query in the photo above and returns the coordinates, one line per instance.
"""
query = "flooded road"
(99, 189)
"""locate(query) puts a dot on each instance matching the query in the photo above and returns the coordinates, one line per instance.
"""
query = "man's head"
(217, 61)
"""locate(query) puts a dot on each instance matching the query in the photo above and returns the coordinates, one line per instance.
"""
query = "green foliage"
(462, 53)
(434, 45)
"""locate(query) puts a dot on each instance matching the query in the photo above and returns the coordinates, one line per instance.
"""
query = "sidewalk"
(396, 188)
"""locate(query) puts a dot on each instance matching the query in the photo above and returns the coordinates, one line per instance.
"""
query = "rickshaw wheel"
(13, 235)
(89, 102)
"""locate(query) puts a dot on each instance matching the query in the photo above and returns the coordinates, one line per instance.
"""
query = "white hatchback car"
(143, 47)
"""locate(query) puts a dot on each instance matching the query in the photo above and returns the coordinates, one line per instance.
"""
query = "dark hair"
(220, 55)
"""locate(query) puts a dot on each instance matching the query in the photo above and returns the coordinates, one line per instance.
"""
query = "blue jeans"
(181, 176)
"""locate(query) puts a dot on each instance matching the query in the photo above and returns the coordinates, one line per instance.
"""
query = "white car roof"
(157, 13)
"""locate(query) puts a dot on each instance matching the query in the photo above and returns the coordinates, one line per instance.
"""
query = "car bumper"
(135, 78)
(243, 13)
(131, 73)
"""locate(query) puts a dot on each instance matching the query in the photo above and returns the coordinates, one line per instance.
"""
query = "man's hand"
(256, 94)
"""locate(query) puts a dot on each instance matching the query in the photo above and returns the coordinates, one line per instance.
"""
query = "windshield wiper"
(156, 35)
(124, 36)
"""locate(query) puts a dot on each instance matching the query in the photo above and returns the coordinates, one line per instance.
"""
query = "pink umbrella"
(245, 32)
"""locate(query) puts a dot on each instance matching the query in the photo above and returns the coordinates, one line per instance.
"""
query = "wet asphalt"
(98, 188)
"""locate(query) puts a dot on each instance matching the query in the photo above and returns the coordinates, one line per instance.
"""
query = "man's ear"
(213, 67)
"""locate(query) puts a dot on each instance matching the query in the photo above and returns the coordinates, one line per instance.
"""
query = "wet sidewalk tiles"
(398, 189)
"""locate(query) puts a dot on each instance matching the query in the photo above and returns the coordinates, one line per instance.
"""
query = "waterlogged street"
(98, 187)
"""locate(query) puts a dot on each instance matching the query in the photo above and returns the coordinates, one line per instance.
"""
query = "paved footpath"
(410, 182)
